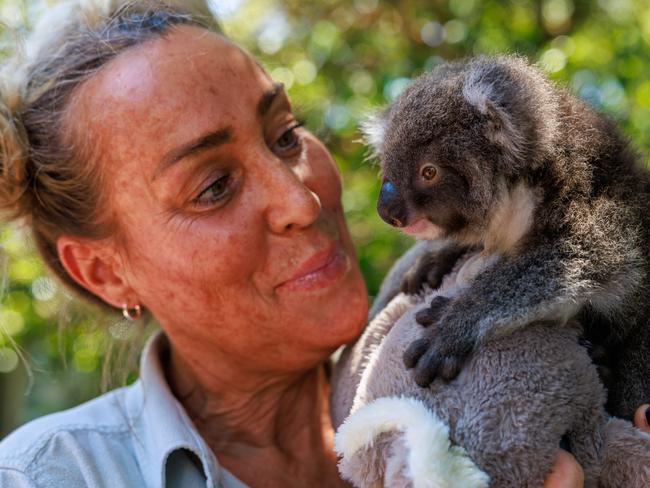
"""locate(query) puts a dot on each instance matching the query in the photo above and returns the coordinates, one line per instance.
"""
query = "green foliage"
(339, 61)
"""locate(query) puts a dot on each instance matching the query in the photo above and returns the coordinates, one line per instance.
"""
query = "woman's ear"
(96, 266)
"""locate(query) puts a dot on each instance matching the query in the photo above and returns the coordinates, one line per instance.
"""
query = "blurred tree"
(339, 60)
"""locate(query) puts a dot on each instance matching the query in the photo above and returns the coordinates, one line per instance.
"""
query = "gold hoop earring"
(131, 314)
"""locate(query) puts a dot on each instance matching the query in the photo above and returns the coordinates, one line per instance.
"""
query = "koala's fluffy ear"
(373, 131)
(500, 129)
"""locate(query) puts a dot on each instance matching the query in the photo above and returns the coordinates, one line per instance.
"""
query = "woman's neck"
(262, 427)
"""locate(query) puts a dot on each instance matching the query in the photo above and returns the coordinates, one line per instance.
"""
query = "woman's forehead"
(186, 56)
(168, 89)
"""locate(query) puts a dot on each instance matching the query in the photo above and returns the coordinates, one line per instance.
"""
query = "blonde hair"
(47, 177)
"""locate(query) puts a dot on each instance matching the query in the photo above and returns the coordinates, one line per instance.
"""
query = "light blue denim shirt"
(137, 436)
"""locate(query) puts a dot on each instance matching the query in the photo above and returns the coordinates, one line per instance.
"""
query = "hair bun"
(46, 179)
(13, 152)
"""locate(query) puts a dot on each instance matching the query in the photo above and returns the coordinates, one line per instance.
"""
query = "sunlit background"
(339, 60)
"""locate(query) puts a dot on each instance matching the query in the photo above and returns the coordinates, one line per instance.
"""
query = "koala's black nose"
(390, 206)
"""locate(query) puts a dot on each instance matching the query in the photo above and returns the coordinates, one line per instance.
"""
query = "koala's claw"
(428, 316)
(425, 372)
(434, 365)
(450, 367)
(441, 352)
(415, 279)
(431, 268)
(414, 352)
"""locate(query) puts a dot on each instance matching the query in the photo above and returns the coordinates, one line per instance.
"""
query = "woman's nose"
(291, 203)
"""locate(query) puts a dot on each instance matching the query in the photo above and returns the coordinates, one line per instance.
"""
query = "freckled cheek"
(198, 266)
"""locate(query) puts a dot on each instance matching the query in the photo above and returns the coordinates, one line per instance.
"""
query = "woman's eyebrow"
(217, 137)
(267, 99)
(210, 140)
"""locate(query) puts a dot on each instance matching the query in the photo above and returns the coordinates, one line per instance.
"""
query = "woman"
(161, 169)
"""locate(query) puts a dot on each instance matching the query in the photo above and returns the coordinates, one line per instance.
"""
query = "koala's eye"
(429, 172)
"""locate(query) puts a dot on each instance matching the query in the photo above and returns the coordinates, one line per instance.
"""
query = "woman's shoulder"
(70, 444)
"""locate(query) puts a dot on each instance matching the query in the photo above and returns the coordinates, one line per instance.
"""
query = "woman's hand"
(567, 473)
(642, 418)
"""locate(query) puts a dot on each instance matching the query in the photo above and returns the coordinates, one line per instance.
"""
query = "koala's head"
(455, 138)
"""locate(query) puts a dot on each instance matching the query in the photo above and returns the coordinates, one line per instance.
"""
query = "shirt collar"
(160, 423)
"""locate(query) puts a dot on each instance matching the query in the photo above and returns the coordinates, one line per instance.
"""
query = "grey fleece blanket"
(498, 424)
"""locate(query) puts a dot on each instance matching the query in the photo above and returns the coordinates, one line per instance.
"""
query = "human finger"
(566, 473)
(642, 418)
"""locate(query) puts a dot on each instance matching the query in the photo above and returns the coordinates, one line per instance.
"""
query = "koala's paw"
(431, 358)
(420, 275)
(435, 311)
(441, 351)
(429, 270)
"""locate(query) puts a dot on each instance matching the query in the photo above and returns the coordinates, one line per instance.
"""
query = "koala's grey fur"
(527, 171)
(509, 407)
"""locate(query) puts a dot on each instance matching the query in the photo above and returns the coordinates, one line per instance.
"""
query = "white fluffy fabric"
(432, 461)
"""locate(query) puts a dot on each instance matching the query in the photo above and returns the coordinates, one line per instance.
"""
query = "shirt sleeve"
(14, 478)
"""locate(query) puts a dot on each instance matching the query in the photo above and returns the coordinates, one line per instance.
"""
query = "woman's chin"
(345, 316)
(336, 315)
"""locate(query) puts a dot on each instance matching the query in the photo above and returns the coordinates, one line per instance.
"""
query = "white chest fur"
(511, 218)
(464, 273)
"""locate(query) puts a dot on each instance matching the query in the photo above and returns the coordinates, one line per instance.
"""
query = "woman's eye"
(289, 140)
(213, 193)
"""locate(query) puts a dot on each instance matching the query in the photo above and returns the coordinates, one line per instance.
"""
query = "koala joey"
(488, 154)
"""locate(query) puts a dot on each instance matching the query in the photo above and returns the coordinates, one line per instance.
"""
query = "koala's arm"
(432, 266)
(550, 280)
(404, 268)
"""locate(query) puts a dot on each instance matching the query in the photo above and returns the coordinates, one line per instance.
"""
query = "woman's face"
(232, 230)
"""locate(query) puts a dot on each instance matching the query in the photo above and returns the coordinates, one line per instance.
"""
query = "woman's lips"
(318, 271)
